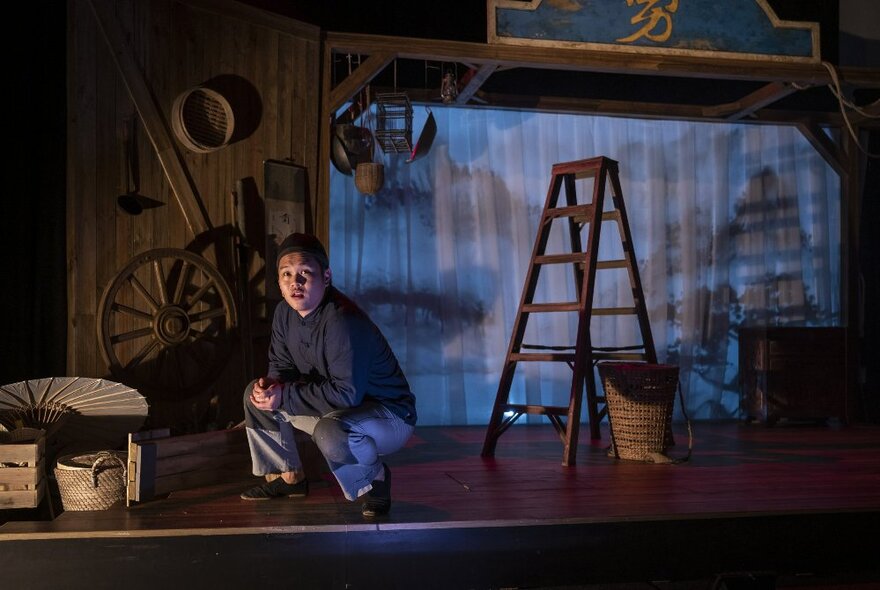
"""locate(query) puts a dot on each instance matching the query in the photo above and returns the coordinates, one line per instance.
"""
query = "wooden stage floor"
(789, 502)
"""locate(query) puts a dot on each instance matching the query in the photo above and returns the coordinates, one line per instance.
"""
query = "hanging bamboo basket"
(369, 177)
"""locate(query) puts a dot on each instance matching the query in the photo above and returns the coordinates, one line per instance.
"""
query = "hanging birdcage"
(394, 122)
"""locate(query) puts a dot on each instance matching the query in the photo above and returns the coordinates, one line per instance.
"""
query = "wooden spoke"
(137, 313)
(133, 335)
(160, 281)
(142, 354)
(142, 291)
(199, 294)
(185, 272)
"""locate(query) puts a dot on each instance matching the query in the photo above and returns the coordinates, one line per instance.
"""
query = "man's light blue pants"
(352, 441)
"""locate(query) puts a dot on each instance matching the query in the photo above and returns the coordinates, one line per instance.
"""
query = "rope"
(841, 102)
(654, 457)
(690, 431)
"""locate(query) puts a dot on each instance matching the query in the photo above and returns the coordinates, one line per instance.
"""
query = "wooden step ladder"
(581, 357)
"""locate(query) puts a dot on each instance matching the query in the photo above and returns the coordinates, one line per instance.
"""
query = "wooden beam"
(598, 61)
(619, 108)
(359, 78)
(823, 144)
(154, 121)
(750, 103)
(321, 205)
(482, 74)
(853, 295)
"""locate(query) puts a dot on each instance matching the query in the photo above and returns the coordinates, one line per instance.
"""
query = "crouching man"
(332, 375)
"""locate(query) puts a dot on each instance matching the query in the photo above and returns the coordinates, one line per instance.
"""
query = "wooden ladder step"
(541, 307)
(614, 311)
(571, 211)
(531, 409)
(570, 357)
(584, 168)
(611, 215)
(619, 356)
(580, 257)
(563, 357)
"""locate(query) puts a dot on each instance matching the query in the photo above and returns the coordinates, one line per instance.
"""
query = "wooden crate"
(24, 485)
(159, 463)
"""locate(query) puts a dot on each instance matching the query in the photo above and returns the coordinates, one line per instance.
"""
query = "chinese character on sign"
(657, 19)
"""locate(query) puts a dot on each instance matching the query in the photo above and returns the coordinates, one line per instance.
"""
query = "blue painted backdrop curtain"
(732, 224)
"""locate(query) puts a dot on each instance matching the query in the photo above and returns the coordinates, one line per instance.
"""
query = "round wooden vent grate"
(202, 119)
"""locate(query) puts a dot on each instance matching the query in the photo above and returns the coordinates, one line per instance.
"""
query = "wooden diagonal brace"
(733, 111)
(824, 145)
(359, 78)
(154, 122)
(475, 82)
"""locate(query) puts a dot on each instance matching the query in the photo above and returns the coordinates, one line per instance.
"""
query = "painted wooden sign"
(743, 29)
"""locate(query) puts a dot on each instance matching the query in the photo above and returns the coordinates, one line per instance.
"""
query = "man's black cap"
(305, 243)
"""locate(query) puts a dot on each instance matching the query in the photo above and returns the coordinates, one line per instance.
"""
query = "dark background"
(33, 271)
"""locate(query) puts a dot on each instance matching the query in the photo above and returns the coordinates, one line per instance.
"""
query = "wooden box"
(22, 476)
(793, 372)
(159, 463)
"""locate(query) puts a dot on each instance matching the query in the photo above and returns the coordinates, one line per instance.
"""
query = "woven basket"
(369, 177)
(640, 398)
(91, 481)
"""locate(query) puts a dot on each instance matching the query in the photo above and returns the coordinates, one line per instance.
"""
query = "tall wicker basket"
(91, 481)
(640, 399)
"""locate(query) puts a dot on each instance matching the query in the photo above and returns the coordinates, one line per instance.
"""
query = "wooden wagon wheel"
(165, 323)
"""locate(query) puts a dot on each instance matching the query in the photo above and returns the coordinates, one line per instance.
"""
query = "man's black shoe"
(277, 488)
(378, 499)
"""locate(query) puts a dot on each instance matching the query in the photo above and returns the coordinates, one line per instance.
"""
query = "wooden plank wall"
(179, 45)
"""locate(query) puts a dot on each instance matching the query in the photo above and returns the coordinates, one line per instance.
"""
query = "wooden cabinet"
(788, 372)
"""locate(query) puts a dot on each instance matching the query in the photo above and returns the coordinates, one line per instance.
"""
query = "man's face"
(301, 282)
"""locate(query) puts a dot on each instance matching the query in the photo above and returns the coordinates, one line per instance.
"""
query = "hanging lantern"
(448, 88)
(369, 177)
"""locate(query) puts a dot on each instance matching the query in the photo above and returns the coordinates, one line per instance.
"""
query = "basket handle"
(690, 429)
(102, 457)
(660, 457)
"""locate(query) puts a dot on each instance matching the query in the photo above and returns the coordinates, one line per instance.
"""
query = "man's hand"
(266, 394)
